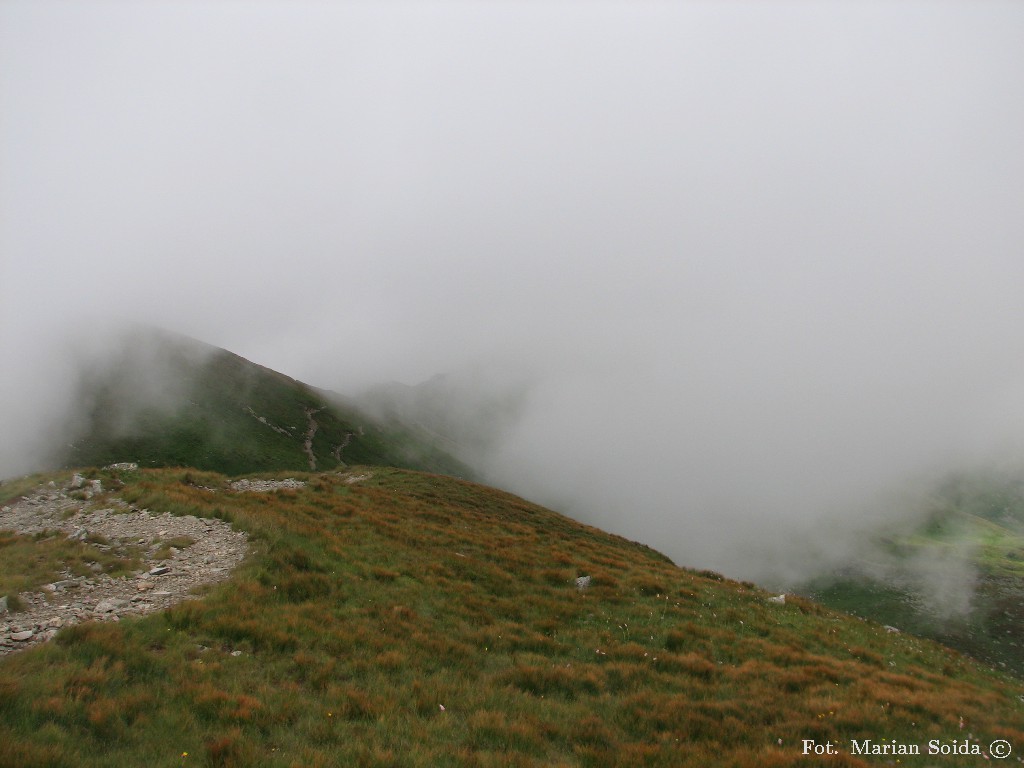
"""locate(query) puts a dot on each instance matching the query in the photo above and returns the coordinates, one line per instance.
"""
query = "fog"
(761, 263)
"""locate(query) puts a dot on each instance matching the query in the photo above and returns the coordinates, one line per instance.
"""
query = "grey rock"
(262, 486)
(109, 605)
(97, 596)
(21, 637)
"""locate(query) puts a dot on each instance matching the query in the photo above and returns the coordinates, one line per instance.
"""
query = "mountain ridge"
(162, 399)
(386, 617)
(390, 616)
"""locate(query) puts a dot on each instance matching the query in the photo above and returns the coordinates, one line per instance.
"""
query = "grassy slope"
(416, 620)
(977, 518)
(212, 420)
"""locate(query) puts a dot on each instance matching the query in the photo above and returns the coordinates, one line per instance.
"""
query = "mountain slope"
(393, 618)
(957, 576)
(165, 400)
(462, 412)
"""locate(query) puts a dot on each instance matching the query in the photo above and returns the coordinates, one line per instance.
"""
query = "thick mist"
(754, 269)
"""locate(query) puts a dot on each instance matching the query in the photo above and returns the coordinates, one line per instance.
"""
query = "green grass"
(12, 489)
(29, 562)
(416, 620)
(975, 522)
(214, 410)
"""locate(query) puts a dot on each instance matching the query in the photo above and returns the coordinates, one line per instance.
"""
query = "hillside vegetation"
(388, 617)
(957, 576)
(167, 400)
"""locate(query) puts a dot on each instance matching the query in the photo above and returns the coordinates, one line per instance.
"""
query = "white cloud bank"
(764, 259)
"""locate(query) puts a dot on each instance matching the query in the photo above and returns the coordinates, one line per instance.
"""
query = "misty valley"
(374, 598)
(957, 577)
(629, 384)
(949, 566)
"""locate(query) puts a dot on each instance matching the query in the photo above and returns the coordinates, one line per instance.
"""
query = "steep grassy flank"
(172, 401)
(406, 619)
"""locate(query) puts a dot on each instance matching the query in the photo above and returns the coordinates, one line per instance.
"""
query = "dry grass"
(415, 620)
(27, 562)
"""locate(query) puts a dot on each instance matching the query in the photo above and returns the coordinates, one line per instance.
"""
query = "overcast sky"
(764, 258)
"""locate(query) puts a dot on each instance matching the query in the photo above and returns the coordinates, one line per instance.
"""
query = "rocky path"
(339, 448)
(165, 576)
(307, 443)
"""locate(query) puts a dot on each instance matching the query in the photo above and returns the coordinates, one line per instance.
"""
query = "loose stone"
(216, 550)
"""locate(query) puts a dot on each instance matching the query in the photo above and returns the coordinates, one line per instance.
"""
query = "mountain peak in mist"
(163, 399)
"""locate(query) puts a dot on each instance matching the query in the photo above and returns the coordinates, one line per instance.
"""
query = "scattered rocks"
(124, 466)
(307, 444)
(582, 583)
(88, 488)
(336, 450)
(263, 420)
(778, 600)
(266, 485)
(71, 599)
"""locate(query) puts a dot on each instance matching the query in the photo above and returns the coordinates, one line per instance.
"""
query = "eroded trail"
(307, 444)
(175, 555)
(336, 452)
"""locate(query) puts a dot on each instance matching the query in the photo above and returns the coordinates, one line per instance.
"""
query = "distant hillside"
(957, 576)
(393, 618)
(465, 413)
(166, 400)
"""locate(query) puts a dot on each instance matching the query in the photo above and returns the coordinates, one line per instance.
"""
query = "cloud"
(762, 262)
